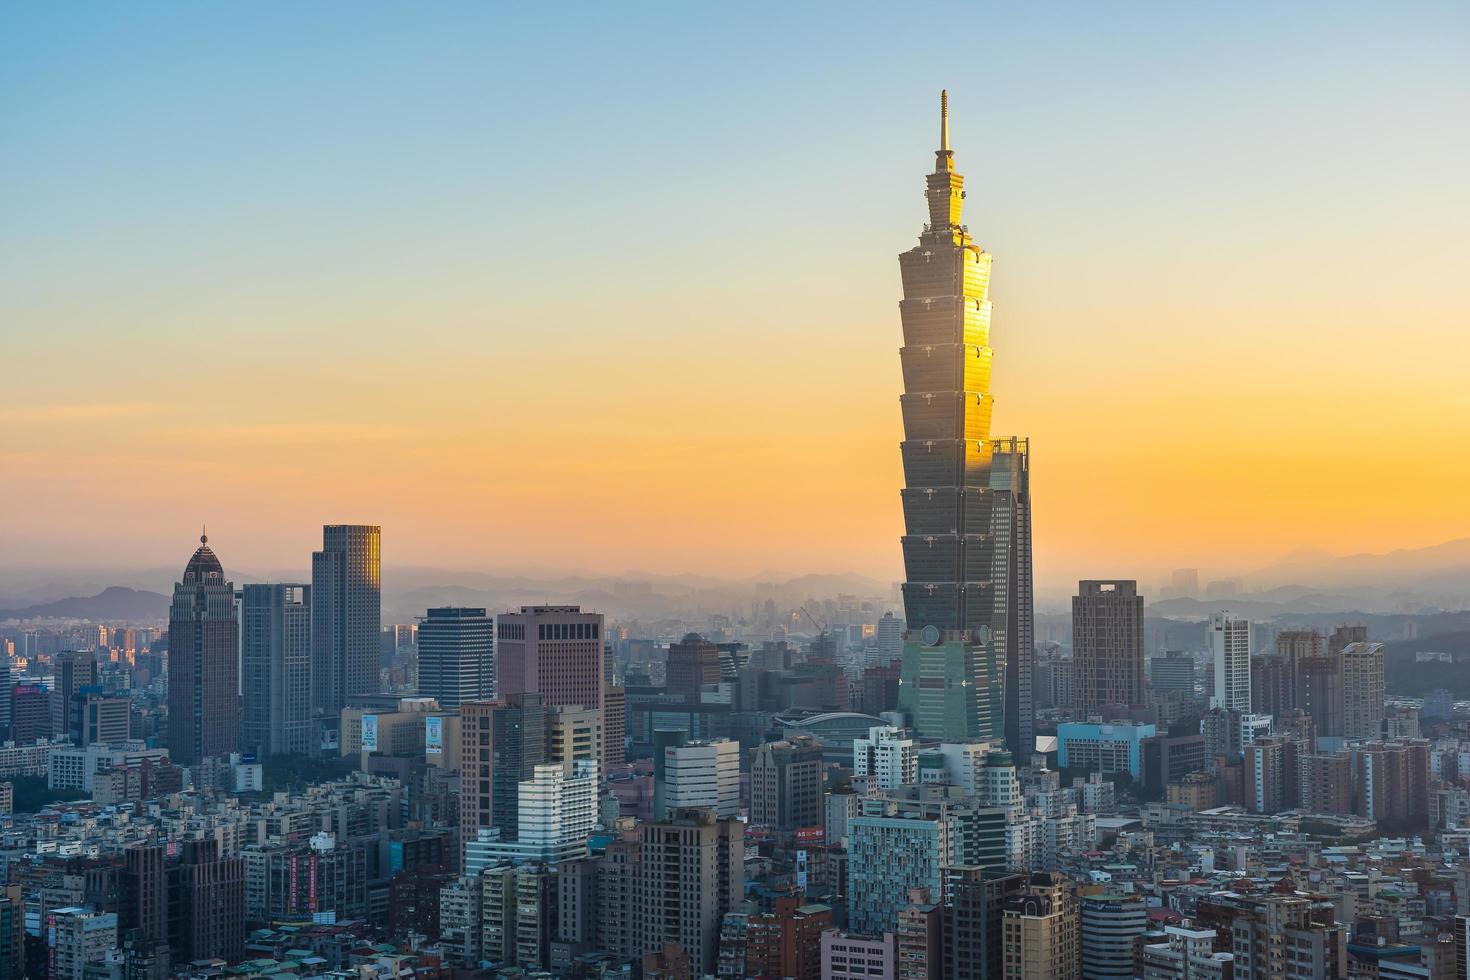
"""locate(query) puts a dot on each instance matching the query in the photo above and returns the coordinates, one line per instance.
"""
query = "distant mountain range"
(114, 604)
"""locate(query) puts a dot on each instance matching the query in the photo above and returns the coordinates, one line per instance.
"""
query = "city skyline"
(426, 263)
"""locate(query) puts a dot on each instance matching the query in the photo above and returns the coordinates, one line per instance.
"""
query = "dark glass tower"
(966, 498)
(203, 663)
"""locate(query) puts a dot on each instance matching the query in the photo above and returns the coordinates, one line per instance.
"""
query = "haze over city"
(616, 299)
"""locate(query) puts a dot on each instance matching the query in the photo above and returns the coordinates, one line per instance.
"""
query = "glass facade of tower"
(966, 496)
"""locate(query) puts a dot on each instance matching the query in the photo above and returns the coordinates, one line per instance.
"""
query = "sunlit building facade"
(966, 498)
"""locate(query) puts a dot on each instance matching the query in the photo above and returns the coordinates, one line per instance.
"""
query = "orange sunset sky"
(622, 293)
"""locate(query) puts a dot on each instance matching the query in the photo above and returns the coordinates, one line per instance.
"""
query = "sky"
(596, 287)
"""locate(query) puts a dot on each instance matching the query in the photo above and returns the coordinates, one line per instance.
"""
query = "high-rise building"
(203, 662)
(206, 917)
(919, 936)
(275, 666)
(690, 872)
(966, 498)
(574, 734)
(72, 670)
(553, 651)
(1273, 684)
(1286, 937)
(1184, 583)
(1362, 689)
(1041, 930)
(1230, 647)
(1172, 672)
(614, 726)
(974, 915)
(1326, 782)
(787, 941)
(786, 784)
(692, 663)
(30, 713)
(78, 937)
(501, 743)
(1109, 926)
(888, 854)
(556, 811)
(1107, 645)
(1343, 635)
(1319, 692)
(889, 639)
(887, 757)
(1272, 777)
(703, 774)
(456, 656)
(346, 616)
(101, 719)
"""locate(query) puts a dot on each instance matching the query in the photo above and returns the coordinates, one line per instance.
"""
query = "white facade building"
(887, 757)
(703, 774)
(1230, 646)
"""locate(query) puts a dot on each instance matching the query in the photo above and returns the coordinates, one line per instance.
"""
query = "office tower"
(1172, 672)
(703, 774)
(966, 499)
(786, 784)
(614, 726)
(554, 651)
(692, 663)
(890, 639)
(1230, 647)
(690, 872)
(30, 713)
(275, 667)
(78, 937)
(346, 616)
(73, 670)
(206, 915)
(787, 941)
(101, 719)
(501, 743)
(556, 811)
(574, 734)
(1272, 778)
(1041, 930)
(1107, 645)
(1343, 635)
(285, 882)
(145, 890)
(456, 656)
(203, 662)
(1286, 937)
(974, 912)
(1184, 583)
(887, 757)
(1362, 689)
(1109, 926)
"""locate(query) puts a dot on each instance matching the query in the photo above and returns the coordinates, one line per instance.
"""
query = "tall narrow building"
(967, 592)
(1230, 647)
(203, 662)
(457, 656)
(1107, 645)
(346, 617)
(275, 664)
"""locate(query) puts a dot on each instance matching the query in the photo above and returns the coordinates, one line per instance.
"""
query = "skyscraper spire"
(943, 120)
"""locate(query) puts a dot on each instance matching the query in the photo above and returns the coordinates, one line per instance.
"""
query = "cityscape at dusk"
(483, 501)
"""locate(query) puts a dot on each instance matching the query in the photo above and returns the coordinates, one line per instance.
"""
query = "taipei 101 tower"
(966, 672)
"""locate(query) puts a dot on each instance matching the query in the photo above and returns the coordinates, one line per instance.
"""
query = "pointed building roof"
(203, 566)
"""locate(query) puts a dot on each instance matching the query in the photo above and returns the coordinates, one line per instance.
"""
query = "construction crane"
(821, 627)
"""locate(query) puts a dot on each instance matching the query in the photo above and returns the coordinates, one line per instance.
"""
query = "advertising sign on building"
(370, 733)
(433, 735)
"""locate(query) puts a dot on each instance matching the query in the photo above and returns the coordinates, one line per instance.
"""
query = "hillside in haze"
(114, 604)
